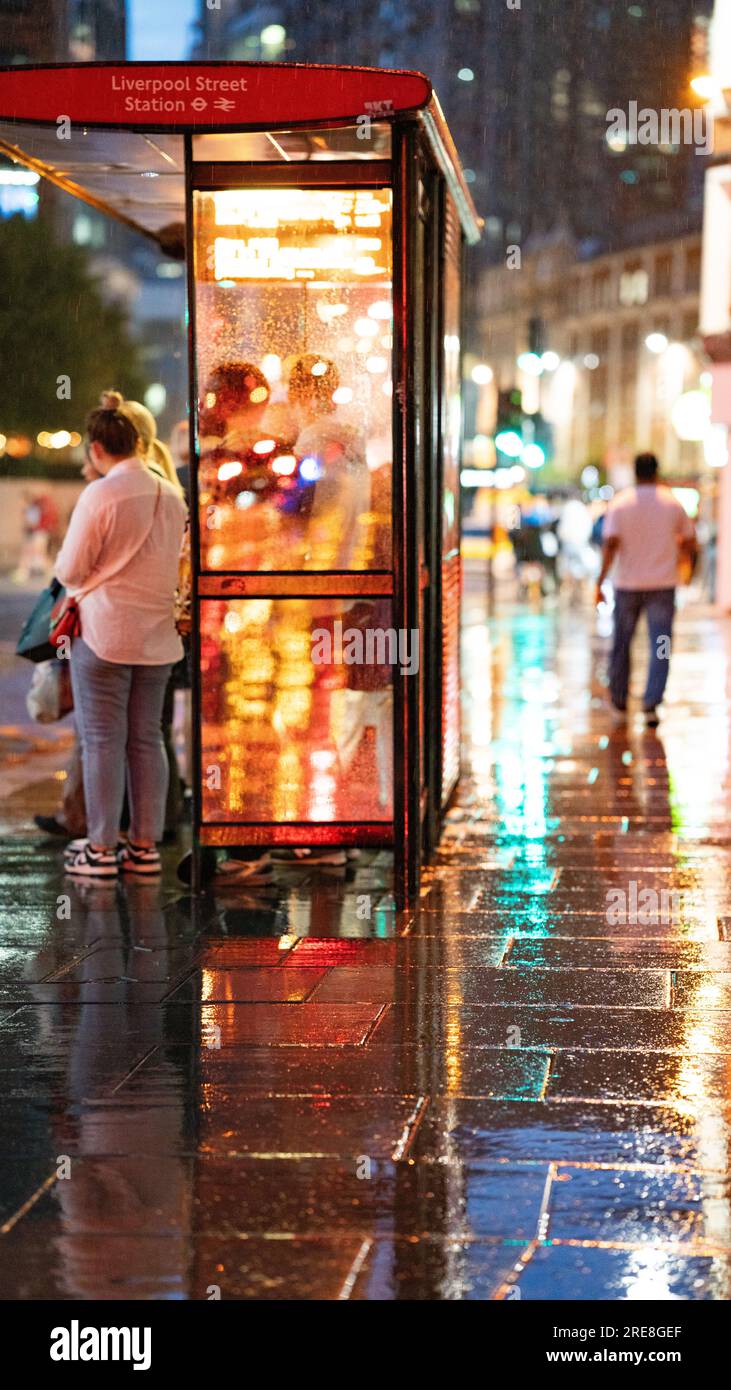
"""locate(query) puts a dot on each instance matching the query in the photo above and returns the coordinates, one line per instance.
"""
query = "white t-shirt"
(128, 617)
(649, 523)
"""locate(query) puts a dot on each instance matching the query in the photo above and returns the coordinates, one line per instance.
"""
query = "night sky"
(161, 30)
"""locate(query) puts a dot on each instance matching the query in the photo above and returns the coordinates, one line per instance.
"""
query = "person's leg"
(627, 607)
(660, 605)
(147, 767)
(73, 812)
(174, 800)
(101, 693)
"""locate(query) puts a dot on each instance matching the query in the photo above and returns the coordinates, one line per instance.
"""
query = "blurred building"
(526, 90)
(77, 31)
(602, 348)
(131, 271)
(550, 78)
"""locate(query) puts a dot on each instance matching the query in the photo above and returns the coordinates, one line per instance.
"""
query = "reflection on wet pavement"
(521, 1087)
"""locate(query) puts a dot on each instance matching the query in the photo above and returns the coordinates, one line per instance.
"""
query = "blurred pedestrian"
(40, 525)
(648, 534)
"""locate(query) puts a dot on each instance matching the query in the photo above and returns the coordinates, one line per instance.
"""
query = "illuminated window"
(294, 360)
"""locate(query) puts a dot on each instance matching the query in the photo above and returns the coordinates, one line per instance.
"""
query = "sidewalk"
(518, 1089)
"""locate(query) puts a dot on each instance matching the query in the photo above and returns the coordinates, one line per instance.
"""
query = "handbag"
(56, 614)
(34, 642)
(65, 621)
(49, 697)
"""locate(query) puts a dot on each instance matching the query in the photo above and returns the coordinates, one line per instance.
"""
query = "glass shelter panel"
(297, 710)
(366, 140)
(294, 349)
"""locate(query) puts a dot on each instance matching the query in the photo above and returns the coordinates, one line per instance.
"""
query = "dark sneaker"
(91, 863)
(139, 859)
(50, 826)
(652, 718)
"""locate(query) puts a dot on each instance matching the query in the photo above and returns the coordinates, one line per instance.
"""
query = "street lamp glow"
(271, 365)
(691, 416)
(510, 443)
(531, 363)
(550, 361)
(705, 86)
(156, 397)
(481, 374)
(477, 477)
(533, 456)
(272, 35)
(591, 361)
(656, 342)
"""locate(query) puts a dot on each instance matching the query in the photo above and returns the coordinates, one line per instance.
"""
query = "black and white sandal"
(85, 862)
(139, 859)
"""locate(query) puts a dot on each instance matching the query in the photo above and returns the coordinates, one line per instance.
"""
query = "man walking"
(647, 532)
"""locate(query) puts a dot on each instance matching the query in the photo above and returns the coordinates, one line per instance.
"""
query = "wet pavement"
(518, 1088)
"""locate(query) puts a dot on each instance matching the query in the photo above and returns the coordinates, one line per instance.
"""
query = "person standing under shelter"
(120, 561)
(647, 533)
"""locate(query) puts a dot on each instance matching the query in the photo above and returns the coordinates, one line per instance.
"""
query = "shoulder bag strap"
(130, 558)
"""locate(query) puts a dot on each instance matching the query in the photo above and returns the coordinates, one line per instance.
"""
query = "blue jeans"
(628, 605)
(119, 719)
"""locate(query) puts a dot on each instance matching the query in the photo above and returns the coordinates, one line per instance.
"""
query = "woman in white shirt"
(120, 560)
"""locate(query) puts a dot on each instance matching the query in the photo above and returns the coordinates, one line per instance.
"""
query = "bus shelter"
(322, 213)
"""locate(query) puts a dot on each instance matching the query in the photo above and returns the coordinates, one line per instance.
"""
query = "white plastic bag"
(45, 700)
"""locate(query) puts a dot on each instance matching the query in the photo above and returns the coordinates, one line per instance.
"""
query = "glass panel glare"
(368, 139)
(294, 349)
(292, 729)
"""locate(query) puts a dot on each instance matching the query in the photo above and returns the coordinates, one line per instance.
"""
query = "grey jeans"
(119, 719)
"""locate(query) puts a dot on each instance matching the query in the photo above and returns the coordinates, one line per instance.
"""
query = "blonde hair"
(152, 450)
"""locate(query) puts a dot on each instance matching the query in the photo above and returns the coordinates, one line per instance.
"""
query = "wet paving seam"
(410, 1130)
(509, 944)
(616, 1102)
(30, 1202)
(547, 1076)
(352, 1276)
(544, 1213)
(139, 1063)
(320, 980)
(370, 1030)
(61, 970)
(686, 1249)
(504, 1290)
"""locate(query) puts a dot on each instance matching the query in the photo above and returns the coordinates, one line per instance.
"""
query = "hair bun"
(111, 400)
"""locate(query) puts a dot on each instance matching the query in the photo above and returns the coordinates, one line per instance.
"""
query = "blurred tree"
(61, 343)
